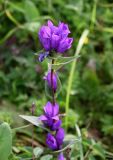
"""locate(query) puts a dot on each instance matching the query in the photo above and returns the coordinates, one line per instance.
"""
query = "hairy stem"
(52, 87)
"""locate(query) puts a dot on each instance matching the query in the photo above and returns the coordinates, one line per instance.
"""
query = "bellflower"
(51, 117)
(51, 83)
(55, 142)
(60, 137)
(51, 142)
(55, 38)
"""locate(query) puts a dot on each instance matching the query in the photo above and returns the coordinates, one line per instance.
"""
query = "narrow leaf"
(38, 151)
(34, 120)
(61, 61)
(47, 157)
(31, 12)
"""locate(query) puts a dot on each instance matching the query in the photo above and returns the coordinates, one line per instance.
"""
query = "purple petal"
(46, 42)
(50, 24)
(63, 29)
(64, 45)
(51, 142)
(55, 118)
(48, 78)
(60, 136)
(48, 109)
(44, 37)
(56, 125)
(44, 32)
(55, 41)
(56, 109)
(43, 118)
(61, 156)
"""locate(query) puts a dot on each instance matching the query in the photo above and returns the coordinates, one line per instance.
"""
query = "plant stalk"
(52, 87)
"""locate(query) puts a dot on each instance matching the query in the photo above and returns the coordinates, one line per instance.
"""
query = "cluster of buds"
(54, 39)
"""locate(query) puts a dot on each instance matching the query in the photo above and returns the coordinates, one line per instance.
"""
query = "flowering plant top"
(55, 41)
(55, 38)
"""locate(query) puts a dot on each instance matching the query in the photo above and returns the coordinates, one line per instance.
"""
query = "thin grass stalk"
(70, 80)
(80, 142)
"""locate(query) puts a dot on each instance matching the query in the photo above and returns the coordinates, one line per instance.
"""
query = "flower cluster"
(51, 119)
(53, 39)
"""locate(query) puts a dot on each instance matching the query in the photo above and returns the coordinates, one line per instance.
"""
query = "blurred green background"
(21, 75)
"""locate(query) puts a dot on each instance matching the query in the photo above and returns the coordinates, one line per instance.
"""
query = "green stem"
(70, 80)
(22, 127)
(93, 17)
(80, 143)
(52, 87)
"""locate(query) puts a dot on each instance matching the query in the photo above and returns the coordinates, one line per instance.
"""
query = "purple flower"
(55, 142)
(55, 37)
(51, 142)
(52, 81)
(61, 156)
(51, 117)
(60, 137)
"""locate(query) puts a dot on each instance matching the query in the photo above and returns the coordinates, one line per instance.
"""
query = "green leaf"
(98, 150)
(17, 6)
(61, 61)
(91, 157)
(5, 141)
(32, 26)
(31, 12)
(47, 157)
(34, 120)
(38, 151)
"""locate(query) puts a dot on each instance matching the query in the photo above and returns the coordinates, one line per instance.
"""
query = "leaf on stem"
(34, 120)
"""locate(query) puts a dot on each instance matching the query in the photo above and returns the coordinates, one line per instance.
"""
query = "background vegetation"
(91, 97)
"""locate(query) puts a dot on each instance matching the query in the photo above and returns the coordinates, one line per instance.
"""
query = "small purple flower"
(52, 81)
(55, 37)
(42, 56)
(60, 137)
(51, 117)
(61, 156)
(51, 142)
(55, 142)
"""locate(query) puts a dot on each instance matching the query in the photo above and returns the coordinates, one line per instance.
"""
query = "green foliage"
(5, 141)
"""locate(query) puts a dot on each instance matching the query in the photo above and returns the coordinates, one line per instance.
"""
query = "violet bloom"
(51, 117)
(52, 81)
(55, 38)
(60, 137)
(51, 142)
(55, 142)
